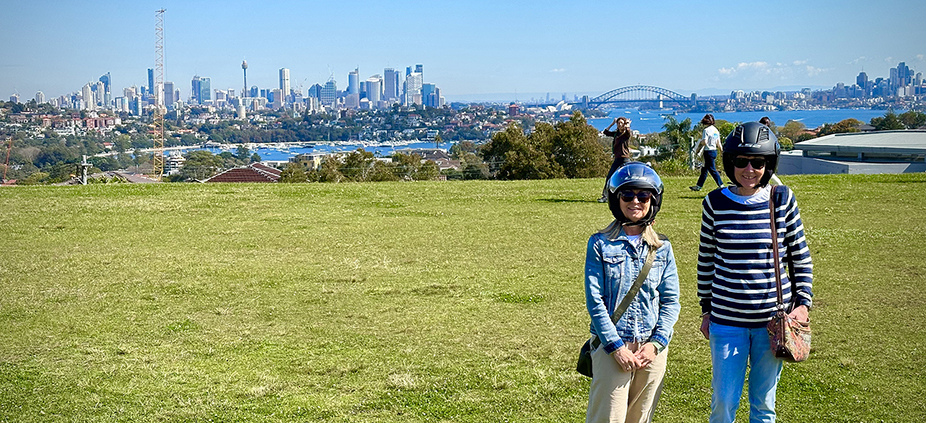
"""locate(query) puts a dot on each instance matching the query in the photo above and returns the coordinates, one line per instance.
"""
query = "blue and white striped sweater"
(736, 279)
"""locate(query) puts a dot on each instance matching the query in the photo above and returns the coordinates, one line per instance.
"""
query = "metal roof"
(880, 142)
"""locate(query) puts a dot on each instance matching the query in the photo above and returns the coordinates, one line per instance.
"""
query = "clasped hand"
(630, 361)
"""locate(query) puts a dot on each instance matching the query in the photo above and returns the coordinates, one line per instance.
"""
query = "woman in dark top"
(620, 147)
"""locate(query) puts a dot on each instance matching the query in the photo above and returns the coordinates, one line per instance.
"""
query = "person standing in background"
(768, 122)
(620, 147)
(710, 145)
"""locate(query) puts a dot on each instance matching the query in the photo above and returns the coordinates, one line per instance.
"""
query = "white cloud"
(796, 71)
(889, 60)
(921, 57)
(558, 70)
(814, 71)
(854, 62)
(752, 65)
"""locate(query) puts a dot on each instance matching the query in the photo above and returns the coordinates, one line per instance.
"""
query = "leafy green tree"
(293, 173)
(427, 171)
(357, 165)
(515, 156)
(200, 164)
(888, 122)
(329, 171)
(33, 179)
(792, 129)
(574, 146)
(405, 166)
(382, 172)
(242, 153)
(60, 172)
(841, 127)
(255, 158)
(459, 149)
(104, 163)
(725, 128)
(913, 119)
(679, 133)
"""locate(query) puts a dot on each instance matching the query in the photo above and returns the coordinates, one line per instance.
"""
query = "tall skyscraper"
(169, 92)
(862, 79)
(195, 90)
(412, 89)
(86, 97)
(40, 98)
(329, 93)
(315, 91)
(284, 81)
(353, 82)
(390, 84)
(278, 96)
(150, 81)
(427, 89)
(107, 89)
(205, 91)
(99, 94)
(904, 75)
(201, 92)
(419, 68)
(375, 90)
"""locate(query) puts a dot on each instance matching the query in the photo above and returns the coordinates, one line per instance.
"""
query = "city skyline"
(475, 49)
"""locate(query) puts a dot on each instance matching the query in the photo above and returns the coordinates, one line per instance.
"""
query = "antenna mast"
(159, 107)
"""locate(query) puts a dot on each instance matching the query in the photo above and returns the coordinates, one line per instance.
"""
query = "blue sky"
(467, 48)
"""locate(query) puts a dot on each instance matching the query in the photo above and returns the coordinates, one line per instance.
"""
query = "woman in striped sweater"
(736, 275)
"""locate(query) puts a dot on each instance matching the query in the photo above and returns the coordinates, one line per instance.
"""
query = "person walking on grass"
(709, 145)
(736, 274)
(629, 355)
(620, 147)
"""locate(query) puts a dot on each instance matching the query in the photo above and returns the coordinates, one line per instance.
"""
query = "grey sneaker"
(604, 199)
(694, 188)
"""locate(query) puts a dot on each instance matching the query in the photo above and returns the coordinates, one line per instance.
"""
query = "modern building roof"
(255, 172)
(859, 152)
(911, 142)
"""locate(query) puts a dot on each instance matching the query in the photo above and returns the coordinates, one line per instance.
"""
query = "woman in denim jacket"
(629, 358)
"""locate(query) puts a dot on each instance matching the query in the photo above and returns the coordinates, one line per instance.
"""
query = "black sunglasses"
(642, 196)
(756, 162)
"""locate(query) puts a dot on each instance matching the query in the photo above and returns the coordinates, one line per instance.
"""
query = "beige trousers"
(617, 396)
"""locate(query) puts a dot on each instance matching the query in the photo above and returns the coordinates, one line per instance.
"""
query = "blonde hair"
(650, 237)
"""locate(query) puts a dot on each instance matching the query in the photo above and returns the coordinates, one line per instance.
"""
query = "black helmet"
(635, 175)
(751, 139)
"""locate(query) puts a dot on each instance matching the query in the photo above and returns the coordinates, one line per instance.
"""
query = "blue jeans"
(731, 348)
(710, 166)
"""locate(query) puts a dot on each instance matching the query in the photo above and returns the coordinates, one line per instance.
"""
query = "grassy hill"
(409, 302)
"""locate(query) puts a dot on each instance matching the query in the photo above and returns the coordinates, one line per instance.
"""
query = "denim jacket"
(611, 266)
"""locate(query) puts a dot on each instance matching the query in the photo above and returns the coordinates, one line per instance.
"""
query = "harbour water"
(279, 153)
(646, 121)
(649, 121)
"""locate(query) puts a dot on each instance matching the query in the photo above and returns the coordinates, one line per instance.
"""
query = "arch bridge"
(638, 94)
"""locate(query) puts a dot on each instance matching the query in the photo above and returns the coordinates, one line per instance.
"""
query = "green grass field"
(426, 301)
